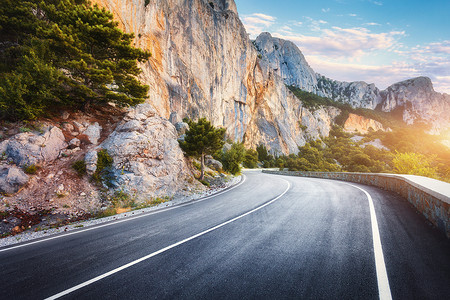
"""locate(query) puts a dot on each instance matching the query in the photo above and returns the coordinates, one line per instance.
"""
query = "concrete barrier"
(429, 196)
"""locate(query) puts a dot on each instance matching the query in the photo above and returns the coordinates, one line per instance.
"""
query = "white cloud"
(379, 3)
(352, 15)
(371, 24)
(257, 23)
(344, 42)
(325, 10)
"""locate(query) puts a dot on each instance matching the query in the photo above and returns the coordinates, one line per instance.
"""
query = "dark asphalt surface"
(314, 242)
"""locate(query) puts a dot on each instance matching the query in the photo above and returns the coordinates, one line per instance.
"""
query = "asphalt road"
(272, 237)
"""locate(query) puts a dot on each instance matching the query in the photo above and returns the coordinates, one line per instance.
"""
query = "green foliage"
(202, 139)
(265, 157)
(311, 157)
(102, 173)
(414, 164)
(64, 53)
(233, 158)
(121, 199)
(80, 167)
(250, 159)
(30, 169)
(205, 183)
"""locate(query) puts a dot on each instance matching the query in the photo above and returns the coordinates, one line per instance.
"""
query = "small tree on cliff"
(202, 139)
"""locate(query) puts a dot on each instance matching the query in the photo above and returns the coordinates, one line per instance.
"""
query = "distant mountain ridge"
(416, 96)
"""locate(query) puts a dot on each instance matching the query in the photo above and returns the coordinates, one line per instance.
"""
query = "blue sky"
(377, 41)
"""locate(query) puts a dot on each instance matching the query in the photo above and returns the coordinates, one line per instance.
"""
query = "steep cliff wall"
(204, 65)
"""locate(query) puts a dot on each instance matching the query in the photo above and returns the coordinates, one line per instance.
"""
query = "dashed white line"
(100, 277)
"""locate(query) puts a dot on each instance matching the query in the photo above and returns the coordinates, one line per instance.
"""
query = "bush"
(250, 159)
(80, 167)
(104, 161)
(233, 158)
(30, 169)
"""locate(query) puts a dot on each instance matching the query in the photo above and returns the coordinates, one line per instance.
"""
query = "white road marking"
(100, 277)
(124, 220)
(384, 290)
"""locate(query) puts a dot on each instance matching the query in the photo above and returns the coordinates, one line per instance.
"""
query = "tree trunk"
(202, 171)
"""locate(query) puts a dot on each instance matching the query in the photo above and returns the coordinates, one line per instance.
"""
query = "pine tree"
(88, 59)
(202, 139)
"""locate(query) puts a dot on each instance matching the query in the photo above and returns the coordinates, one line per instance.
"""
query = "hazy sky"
(377, 41)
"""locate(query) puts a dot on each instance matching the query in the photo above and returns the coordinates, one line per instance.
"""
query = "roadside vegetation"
(410, 152)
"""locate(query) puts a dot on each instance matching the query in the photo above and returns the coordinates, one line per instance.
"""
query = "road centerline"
(116, 270)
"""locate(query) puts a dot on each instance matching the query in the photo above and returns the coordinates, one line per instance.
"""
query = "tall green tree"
(202, 139)
(64, 53)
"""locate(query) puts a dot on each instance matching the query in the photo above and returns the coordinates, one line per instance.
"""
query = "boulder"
(90, 159)
(93, 132)
(181, 128)
(31, 149)
(74, 143)
(12, 179)
(212, 163)
(148, 161)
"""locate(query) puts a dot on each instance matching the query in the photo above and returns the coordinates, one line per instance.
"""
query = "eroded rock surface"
(148, 161)
(29, 148)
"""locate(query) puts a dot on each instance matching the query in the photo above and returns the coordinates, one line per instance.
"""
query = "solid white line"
(123, 220)
(384, 290)
(86, 283)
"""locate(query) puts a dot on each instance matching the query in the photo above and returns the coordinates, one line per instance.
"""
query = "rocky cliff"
(204, 65)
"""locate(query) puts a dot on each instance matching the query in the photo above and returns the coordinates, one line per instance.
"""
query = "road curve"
(271, 237)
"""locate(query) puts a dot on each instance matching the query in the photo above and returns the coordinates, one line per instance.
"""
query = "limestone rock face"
(357, 94)
(204, 65)
(148, 161)
(287, 61)
(31, 148)
(359, 124)
(419, 101)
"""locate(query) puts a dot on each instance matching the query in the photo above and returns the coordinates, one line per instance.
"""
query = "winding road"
(270, 237)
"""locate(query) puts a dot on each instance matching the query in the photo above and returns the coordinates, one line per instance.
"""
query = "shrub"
(250, 159)
(104, 161)
(233, 158)
(80, 167)
(30, 169)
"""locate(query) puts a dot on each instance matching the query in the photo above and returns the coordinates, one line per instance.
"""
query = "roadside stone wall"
(432, 200)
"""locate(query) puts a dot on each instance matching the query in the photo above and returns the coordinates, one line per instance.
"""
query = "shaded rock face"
(362, 125)
(11, 179)
(148, 161)
(204, 65)
(287, 61)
